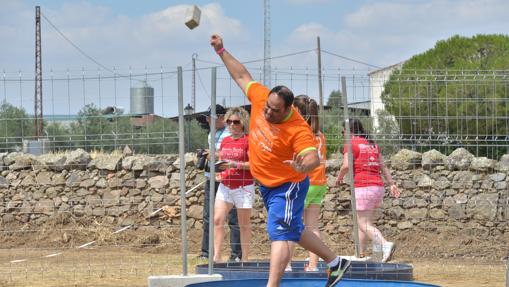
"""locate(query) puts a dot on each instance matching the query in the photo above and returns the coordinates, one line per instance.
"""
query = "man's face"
(219, 121)
(275, 110)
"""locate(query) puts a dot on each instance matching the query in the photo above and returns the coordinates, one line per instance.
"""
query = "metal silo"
(142, 100)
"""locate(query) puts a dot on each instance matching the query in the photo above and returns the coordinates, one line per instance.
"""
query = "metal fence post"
(348, 143)
(507, 274)
(213, 117)
(183, 218)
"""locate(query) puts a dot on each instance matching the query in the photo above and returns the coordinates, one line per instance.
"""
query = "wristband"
(220, 51)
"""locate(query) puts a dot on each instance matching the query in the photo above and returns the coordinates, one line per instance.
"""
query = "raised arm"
(237, 71)
(343, 170)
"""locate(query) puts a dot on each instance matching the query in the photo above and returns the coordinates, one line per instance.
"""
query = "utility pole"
(38, 75)
(193, 86)
(266, 44)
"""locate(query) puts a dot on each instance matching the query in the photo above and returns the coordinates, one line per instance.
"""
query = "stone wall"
(439, 192)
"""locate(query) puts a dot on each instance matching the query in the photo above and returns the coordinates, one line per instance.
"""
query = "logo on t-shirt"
(370, 152)
(264, 133)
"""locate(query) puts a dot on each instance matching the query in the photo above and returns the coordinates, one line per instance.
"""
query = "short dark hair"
(285, 93)
(220, 110)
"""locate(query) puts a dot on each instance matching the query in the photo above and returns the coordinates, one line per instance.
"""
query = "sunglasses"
(235, 122)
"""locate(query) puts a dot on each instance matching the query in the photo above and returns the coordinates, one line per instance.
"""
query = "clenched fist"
(217, 42)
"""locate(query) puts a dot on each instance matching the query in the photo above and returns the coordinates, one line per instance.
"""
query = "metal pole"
(267, 73)
(38, 75)
(193, 87)
(507, 274)
(212, 190)
(348, 142)
(320, 88)
(188, 135)
(183, 219)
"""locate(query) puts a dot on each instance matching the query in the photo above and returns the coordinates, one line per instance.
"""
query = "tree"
(335, 100)
(15, 125)
(59, 136)
(158, 137)
(455, 94)
(93, 130)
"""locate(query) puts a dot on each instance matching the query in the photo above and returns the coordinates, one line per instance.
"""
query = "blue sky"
(148, 36)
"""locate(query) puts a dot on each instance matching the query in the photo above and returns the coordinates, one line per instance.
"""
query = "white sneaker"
(308, 269)
(377, 252)
(288, 267)
(388, 250)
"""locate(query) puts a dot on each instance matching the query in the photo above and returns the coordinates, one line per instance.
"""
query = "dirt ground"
(48, 255)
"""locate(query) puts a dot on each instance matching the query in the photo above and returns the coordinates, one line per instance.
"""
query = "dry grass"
(129, 258)
(86, 268)
(131, 267)
(460, 273)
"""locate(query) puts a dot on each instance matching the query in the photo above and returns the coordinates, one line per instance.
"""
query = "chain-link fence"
(443, 135)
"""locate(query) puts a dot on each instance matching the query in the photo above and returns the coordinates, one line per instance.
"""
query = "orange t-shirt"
(271, 144)
(317, 176)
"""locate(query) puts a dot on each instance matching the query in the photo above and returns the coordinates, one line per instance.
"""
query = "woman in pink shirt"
(368, 165)
(236, 186)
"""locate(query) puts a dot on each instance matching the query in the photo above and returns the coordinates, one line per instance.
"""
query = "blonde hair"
(242, 114)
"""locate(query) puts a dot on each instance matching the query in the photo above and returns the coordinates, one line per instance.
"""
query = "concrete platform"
(180, 280)
(358, 270)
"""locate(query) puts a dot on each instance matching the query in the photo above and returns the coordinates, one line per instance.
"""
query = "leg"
(279, 258)
(311, 242)
(375, 235)
(292, 252)
(337, 265)
(368, 199)
(311, 215)
(282, 212)
(233, 223)
(244, 216)
(365, 221)
(206, 221)
(362, 240)
(221, 209)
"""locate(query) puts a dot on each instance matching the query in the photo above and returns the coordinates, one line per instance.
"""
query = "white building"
(377, 80)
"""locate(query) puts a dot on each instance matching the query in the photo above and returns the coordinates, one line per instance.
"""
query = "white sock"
(334, 262)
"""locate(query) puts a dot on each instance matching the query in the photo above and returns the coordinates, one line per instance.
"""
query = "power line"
(202, 85)
(76, 46)
(350, 59)
(258, 60)
(281, 56)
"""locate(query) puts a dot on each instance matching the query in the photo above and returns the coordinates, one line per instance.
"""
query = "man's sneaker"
(388, 250)
(289, 267)
(335, 273)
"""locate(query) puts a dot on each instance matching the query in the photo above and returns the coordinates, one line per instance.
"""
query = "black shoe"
(335, 273)
(234, 259)
(202, 257)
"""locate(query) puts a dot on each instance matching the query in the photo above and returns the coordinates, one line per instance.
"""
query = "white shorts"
(241, 197)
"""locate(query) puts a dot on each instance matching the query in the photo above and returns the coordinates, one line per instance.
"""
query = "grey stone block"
(180, 280)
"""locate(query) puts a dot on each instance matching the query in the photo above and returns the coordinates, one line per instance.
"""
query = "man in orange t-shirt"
(281, 153)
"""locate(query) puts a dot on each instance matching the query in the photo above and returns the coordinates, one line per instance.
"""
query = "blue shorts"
(285, 205)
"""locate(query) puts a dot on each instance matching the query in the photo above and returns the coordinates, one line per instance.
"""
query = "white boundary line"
(115, 232)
